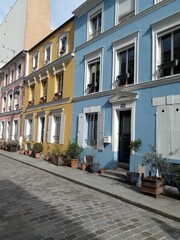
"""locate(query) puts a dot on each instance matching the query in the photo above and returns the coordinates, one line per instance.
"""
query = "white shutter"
(62, 129)
(163, 130)
(49, 137)
(80, 134)
(100, 131)
(175, 129)
(32, 130)
(25, 127)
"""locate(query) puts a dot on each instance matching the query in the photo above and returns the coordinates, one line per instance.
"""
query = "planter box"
(152, 185)
(12, 148)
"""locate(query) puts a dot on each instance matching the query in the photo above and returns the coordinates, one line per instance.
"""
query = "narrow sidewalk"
(163, 205)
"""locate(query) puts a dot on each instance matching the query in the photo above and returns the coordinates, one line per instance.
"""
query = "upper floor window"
(56, 127)
(169, 45)
(19, 70)
(4, 104)
(95, 22)
(63, 43)
(44, 91)
(93, 72)
(126, 66)
(125, 61)
(47, 54)
(59, 87)
(125, 9)
(166, 47)
(6, 79)
(12, 75)
(35, 61)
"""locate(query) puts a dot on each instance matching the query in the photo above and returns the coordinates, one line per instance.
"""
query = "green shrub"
(37, 147)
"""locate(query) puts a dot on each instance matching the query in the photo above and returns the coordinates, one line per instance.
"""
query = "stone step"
(118, 175)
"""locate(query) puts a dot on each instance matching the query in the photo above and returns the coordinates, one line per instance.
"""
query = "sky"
(61, 10)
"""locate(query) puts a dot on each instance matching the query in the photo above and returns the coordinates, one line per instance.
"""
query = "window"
(29, 129)
(166, 47)
(1, 129)
(59, 89)
(94, 76)
(126, 67)
(47, 54)
(16, 99)
(93, 72)
(15, 130)
(63, 43)
(12, 75)
(4, 104)
(169, 53)
(31, 93)
(19, 70)
(8, 130)
(91, 127)
(95, 22)
(56, 124)
(6, 79)
(10, 102)
(125, 61)
(35, 61)
(41, 127)
(125, 9)
(44, 88)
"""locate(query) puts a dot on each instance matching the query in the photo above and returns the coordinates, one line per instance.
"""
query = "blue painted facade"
(149, 92)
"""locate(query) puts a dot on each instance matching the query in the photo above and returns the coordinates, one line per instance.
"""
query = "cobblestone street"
(36, 205)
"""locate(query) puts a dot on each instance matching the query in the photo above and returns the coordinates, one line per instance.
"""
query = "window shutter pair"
(168, 129)
(100, 130)
(62, 129)
(32, 129)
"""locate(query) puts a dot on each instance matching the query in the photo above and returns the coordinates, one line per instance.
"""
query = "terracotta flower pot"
(37, 155)
(83, 166)
(74, 163)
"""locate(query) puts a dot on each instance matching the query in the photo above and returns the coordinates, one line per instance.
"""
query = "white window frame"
(61, 50)
(93, 13)
(9, 130)
(2, 127)
(158, 29)
(4, 101)
(16, 100)
(46, 60)
(126, 16)
(29, 128)
(40, 116)
(90, 58)
(83, 127)
(35, 65)
(14, 130)
(12, 76)
(120, 45)
(51, 127)
(6, 78)
(18, 71)
(10, 101)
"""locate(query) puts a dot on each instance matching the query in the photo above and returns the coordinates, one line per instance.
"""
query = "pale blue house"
(127, 79)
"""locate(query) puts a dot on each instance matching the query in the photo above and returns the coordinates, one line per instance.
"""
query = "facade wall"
(11, 95)
(141, 31)
(53, 103)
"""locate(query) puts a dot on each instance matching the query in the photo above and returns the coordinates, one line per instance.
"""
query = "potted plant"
(133, 177)
(153, 184)
(37, 149)
(57, 155)
(73, 152)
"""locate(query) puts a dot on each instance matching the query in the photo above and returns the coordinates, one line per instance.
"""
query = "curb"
(103, 191)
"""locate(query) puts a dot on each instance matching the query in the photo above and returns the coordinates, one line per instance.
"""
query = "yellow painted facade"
(47, 107)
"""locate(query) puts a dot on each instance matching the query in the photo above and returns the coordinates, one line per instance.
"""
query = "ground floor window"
(92, 120)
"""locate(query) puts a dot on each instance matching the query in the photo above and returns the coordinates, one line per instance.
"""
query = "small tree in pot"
(73, 151)
(133, 177)
(37, 149)
(153, 184)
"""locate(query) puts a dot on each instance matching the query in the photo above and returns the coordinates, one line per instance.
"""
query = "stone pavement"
(163, 205)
